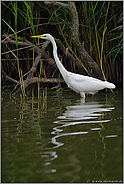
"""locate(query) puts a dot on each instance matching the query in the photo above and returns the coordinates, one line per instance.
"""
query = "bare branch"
(9, 78)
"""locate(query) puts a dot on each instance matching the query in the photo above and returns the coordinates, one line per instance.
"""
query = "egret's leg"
(82, 94)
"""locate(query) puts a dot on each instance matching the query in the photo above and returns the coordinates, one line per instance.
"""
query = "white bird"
(79, 83)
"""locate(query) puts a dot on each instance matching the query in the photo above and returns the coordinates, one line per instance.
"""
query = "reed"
(98, 21)
(16, 37)
(100, 27)
(41, 63)
(22, 84)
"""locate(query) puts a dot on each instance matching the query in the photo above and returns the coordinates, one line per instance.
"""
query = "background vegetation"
(100, 29)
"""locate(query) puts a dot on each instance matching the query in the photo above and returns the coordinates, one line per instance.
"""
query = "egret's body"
(79, 83)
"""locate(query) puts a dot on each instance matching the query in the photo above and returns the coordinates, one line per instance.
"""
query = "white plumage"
(79, 83)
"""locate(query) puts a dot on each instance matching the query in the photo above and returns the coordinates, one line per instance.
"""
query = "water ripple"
(79, 114)
(58, 144)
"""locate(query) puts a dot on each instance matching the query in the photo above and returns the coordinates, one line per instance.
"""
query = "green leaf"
(9, 26)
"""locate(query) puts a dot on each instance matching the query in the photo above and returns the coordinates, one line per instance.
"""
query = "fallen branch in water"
(31, 81)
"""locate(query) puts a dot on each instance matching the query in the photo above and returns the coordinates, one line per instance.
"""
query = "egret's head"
(43, 36)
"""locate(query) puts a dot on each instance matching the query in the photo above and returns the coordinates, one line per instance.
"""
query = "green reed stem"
(22, 84)
(16, 15)
(103, 36)
(95, 24)
(41, 63)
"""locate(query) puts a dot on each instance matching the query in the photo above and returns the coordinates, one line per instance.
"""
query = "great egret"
(79, 83)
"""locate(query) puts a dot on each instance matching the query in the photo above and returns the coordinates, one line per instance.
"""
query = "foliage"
(100, 28)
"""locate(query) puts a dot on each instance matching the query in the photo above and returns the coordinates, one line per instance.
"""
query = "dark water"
(59, 138)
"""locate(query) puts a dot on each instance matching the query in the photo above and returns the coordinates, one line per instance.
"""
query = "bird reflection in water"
(84, 114)
(81, 113)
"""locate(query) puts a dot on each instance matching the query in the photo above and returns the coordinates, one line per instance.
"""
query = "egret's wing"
(85, 84)
(76, 82)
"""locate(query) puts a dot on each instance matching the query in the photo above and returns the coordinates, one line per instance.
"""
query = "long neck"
(62, 69)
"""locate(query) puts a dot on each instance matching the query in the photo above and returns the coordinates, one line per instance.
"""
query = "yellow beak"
(38, 36)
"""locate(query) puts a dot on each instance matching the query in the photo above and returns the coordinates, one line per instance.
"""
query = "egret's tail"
(109, 85)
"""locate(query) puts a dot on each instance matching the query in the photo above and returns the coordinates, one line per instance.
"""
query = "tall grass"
(99, 19)
(100, 27)
(14, 5)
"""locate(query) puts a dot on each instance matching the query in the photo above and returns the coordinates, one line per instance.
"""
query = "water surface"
(61, 138)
